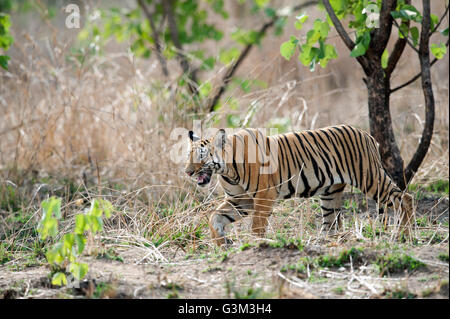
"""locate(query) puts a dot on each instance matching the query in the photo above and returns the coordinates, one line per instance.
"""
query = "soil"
(260, 270)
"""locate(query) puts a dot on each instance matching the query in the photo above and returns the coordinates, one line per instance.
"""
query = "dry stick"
(232, 69)
(155, 35)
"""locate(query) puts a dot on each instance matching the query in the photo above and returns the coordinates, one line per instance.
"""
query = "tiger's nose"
(189, 172)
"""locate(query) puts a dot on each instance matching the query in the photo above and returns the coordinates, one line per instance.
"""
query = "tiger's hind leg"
(331, 202)
(226, 213)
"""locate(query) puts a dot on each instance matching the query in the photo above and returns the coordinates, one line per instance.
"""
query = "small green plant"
(399, 293)
(443, 257)
(392, 263)
(9, 199)
(283, 241)
(245, 246)
(63, 255)
(111, 255)
(344, 257)
(5, 254)
(438, 187)
(339, 290)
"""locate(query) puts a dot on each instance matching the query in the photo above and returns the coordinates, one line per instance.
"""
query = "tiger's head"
(206, 157)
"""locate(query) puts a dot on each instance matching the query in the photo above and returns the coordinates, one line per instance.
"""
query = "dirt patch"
(262, 272)
(342, 266)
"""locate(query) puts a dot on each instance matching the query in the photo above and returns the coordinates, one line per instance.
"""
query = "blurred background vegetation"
(94, 107)
(88, 112)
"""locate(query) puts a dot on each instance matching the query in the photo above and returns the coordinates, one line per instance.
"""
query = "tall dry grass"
(106, 122)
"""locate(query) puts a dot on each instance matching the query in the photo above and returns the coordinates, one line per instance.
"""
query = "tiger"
(255, 170)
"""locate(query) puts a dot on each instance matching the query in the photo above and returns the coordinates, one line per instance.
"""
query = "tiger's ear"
(193, 137)
(220, 139)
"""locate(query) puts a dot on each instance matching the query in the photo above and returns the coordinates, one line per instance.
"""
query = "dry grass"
(102, 128)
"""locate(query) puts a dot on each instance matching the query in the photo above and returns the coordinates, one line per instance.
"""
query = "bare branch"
(415, 77)
(155, 34)
(184, 63)
(344, 35)
(337, 24)
(405, 36)
(232, 69)
(383, 33)
(440, 21)
(427, 133)
(397, 52)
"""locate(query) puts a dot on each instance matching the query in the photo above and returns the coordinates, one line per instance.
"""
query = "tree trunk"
(381, 124)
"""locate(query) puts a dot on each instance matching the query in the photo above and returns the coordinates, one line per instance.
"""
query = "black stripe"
(347, 168)
(303, 146)
(291, 188)
(231, 219)
(351, 154)
(334, 158)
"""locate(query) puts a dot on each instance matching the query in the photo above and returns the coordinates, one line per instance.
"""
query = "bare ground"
(256, 269)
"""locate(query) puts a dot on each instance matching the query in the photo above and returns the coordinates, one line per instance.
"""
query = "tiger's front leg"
(228, 212)
(263, 209)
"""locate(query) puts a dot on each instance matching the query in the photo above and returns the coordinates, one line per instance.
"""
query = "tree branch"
(155, 34)
(397, 52)
(383, 33)
(440, 21)
(427, 133)
(344, 35)
(415, 77)
(232, 69)
(405, 36)
(184, 63)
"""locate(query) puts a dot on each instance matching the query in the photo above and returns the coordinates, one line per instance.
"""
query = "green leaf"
(81, 242)
(287, 49)
(362, 44)
(205, 89)
(305, 54)
(434, 21)
(68, 241)
(439, 51)
(300, 20)
(52, 206)
(445, 32)
(403, 30)
(228, 56)
(4, 61)
(330, 53)
(407, 12)
(80, 224)
(358, 50)
(261, 3)
(312, 36)
(245, 37)
(106, 205)
(59, 279)
(384, 59)
(415, 35)
(78, 270)
(322, 28)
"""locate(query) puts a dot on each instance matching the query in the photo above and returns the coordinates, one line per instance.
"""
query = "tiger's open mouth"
(203, 178)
